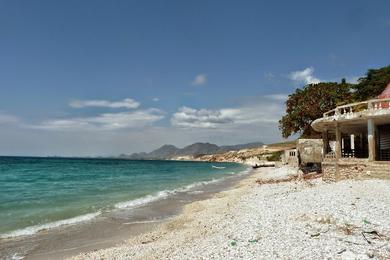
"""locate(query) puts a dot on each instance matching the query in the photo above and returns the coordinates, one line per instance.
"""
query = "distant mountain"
(165, 151)
(196, 149)
(241, 146)
(200, 149)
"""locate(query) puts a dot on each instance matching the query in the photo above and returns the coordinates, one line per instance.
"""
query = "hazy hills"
(197, 149)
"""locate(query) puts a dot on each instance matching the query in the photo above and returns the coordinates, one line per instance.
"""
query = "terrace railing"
(330, 156)
(365, 106)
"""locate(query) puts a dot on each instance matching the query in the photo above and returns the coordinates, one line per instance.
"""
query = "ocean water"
(41, 193)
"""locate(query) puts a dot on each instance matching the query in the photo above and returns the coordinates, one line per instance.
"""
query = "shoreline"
(116, 226)
(128, 204)
(276, 217)
(294, 219)
(177, 221)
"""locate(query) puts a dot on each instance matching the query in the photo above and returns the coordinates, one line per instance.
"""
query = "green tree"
(309, 103)
(372, 84)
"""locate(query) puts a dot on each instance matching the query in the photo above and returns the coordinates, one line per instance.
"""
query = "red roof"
(386, 92)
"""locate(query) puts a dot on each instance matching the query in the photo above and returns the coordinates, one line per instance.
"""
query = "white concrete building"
(360, 133)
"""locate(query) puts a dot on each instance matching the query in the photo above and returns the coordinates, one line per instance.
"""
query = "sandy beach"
(148, 130)
(306, 219)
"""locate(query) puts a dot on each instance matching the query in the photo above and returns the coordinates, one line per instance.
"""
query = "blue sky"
(110, 77)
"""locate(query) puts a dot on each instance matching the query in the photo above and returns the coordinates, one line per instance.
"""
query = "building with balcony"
(356, 138)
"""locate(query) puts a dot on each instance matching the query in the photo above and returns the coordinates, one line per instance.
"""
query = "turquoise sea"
(41, 193)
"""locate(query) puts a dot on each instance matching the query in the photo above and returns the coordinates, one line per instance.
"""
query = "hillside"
(249, 156)
(171, 152)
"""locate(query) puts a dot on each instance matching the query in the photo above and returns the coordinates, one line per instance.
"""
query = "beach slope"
(306, 219)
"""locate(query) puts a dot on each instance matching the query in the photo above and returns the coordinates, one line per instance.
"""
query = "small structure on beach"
(356, 138)
(309, 151)
(290, 157)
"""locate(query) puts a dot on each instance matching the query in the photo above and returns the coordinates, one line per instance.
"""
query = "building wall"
(310, 150)
(347, 170)
(290, 157)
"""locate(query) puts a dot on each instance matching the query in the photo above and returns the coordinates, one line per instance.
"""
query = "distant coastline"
(195, 150)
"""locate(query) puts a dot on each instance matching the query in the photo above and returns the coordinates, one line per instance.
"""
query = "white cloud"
(306, 76)
(155, 99)
(8, 119)
(200, 79)
(126, 103)
(202, 118)
(107, 121)
(254, 114)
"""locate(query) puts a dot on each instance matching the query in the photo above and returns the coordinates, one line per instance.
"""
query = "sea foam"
(161, 195)
(34, 229)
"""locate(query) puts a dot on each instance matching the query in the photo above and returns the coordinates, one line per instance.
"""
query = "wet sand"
(110, 228)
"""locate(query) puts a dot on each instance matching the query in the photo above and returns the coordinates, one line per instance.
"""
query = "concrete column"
(353, 142)
(371, 139)
(338, 151)
(325, 143)
(338, 142)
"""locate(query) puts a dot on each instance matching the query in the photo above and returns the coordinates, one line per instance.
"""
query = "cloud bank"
(202, 118)
(135, 130)
(126, 103)
(106, 121)
(8, 119)
(268, 110)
